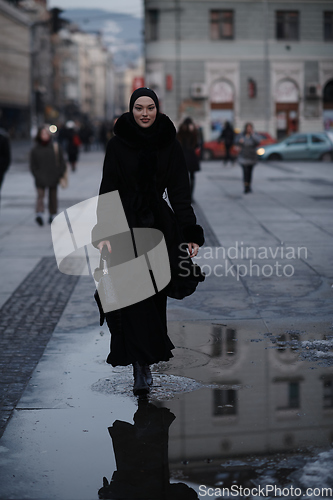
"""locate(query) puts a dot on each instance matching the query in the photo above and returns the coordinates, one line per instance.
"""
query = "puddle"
(165, 386)
(254, 418)
(237, 407)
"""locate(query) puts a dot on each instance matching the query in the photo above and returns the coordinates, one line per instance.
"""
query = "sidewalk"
(56, 444)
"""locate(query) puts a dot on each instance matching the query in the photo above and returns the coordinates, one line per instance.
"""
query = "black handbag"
(185, 274)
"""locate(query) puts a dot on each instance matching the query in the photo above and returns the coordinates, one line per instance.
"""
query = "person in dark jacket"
(86, 136)
(142, 160)
(5, 155)
(47, 165)
(188, 138)
(227, 136)
(73, 142)
(247, 158)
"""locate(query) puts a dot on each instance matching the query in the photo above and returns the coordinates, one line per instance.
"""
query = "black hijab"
(159, 134)
(143, 91)
(144, 134)
(146, 142)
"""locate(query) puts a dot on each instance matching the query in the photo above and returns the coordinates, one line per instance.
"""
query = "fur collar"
(159, 135)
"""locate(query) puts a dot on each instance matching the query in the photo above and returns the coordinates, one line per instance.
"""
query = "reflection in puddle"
(260, 414)
(141, 452)
(270, 416)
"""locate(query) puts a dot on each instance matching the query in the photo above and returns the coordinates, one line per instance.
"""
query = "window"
(328, 394)
(224, 402)
(224, 343)
(221, 24)
(297, 139)
(317, 139)
(152, 25)
(293, 399)
(287, 25)
(328, 26)
(287, 394)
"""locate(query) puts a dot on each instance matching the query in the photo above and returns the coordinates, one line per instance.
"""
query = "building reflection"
(262, 400)
(270, 394)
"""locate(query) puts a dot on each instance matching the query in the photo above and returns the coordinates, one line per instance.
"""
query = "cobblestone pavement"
(27, 320)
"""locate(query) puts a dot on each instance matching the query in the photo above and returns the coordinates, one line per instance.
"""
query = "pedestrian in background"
(247, 158)
(227, 137)
(188, 138)
(73, 143)
(47, 165)
(102, 134)
(5, 154)
(62, 136)
(86, 135)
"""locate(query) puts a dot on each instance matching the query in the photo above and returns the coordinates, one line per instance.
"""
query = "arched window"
(221, 92)
(328, 93)
(286, 91)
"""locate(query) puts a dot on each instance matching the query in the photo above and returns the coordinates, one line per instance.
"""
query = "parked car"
(313, 146)
(214, 150)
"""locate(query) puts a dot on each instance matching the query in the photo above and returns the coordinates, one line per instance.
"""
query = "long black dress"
(141, 164)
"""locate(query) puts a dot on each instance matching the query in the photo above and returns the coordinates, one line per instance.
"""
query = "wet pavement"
(247, 400)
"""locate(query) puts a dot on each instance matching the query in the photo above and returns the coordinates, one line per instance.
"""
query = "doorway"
(286, 108)
(286, 119)
(221, 107)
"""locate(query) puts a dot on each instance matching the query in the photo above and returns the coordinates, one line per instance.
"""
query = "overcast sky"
(129, 6)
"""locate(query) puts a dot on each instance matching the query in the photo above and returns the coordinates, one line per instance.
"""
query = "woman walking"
(73, 143)
(188, 138)
(248, 141)
(142, 160)
(47, 165)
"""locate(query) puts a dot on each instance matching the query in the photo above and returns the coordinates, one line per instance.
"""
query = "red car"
(214, 150)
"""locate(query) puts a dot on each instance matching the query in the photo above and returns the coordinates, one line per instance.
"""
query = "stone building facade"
(83, 72)
(265, 61)
(41, 62)
(15, 68)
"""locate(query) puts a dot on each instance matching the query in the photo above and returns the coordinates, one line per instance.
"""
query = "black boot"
(148, 375)
(140, 383)
(247, 188)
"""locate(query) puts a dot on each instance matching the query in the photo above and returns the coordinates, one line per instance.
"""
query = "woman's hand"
(101, 245)
(193, 248)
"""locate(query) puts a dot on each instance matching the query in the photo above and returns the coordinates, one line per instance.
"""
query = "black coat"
(227, 136)
(189, 142)
(141, 175)
(72, 147)
(141, 164)
(46, 165)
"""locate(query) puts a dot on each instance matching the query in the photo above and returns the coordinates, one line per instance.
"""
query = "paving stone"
(27, 321)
